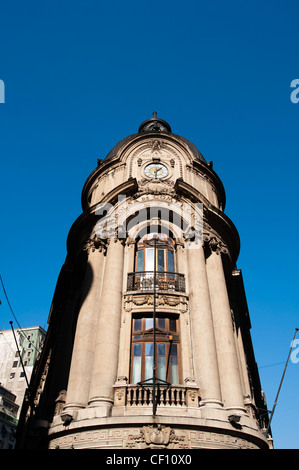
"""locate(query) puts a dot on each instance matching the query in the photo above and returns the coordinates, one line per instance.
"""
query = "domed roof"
(155, 125)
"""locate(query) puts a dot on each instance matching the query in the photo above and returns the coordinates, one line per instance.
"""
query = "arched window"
(163, 250)
(155, 265)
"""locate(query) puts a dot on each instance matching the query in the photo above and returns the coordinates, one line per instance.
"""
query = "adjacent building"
(19, 350)
(8, 418)
(148, 344)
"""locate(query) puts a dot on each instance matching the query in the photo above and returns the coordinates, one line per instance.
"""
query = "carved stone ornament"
(156, 437)
(95, 244)
(42, 381)
(214, 243)
(165, 187)
(60, 402)
(162, 300)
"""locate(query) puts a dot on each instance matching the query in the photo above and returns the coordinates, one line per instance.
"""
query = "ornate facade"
(149, 344)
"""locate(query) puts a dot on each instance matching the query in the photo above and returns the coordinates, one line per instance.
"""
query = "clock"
(156, 170)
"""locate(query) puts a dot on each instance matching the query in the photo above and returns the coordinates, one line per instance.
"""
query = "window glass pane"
(148, 323)
(174, 370)
(161, 266)
(172, 324)
(173, 350)
(148, 373)
(161, 323)
(149, 349)
(137, 324)
(162, 361)
(149, 263)
(162, 367)
(137, 349)
(161, 349)
(136, 369)
(140, 256)
(170, 261)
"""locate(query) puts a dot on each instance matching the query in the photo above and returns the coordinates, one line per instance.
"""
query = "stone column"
(83, 349)
(179, 252)
(181, 267)
(202, 331)
(125, 330)
(108, 330)
(230, 380)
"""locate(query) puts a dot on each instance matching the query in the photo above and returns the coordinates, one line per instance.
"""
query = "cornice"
(76, 236)
(214, 218)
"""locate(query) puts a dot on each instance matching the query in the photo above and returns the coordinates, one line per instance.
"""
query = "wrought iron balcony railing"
(148, 280)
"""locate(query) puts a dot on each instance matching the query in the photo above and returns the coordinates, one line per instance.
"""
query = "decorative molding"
(156, 187)
(96, 244)
(60, 402)
(214, 243)
(42, 381)
(157, 437)
(162, 300)
(151, 437)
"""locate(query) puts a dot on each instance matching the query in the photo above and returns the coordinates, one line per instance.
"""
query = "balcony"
(165, 396)
(144, 281)
(137, 396)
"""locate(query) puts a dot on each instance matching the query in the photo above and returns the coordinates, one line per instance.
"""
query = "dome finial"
(154, 124)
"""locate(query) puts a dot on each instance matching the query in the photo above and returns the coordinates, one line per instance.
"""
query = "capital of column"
(95, 244)
(214, 243)
(101, 244)
(194, 240)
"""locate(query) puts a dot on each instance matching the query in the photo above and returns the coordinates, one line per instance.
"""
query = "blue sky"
(80, 76)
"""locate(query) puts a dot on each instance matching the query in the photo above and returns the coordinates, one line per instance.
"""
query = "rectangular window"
(161, 264)
(149, 323)
(137, 363)
(170, 261)
(137, 324)
(162, 373)
(172, 324)
(140, 260)
(149, 266)
(149, 352)
(174, 366)
(167, 352)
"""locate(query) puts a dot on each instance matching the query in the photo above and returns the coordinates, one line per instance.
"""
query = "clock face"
(156, 170)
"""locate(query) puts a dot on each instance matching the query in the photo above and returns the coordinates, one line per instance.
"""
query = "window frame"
(166, 336)
(164, 243)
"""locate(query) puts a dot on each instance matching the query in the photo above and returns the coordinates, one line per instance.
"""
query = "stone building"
(18, 352)
(149, 343)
